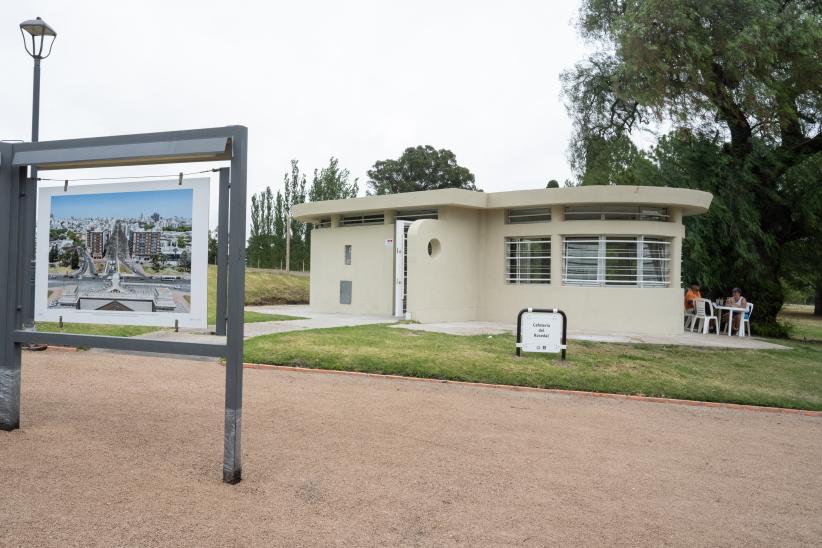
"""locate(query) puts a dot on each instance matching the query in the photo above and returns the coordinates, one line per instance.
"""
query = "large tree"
(740, 84)
(419, 168)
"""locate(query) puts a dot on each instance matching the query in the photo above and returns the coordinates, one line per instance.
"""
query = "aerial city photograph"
(121, 251)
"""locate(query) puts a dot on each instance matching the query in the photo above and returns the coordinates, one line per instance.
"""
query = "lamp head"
(39, 33)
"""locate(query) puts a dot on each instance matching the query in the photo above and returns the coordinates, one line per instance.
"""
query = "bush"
(772, 330)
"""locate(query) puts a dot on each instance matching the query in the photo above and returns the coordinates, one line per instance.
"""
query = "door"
(401, 268)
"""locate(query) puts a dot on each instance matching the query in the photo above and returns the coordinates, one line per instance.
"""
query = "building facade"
(144, 243)
(96, 241)
(609, 256)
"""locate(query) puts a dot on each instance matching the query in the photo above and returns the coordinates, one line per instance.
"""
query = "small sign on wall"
(389, 242)
(542, 330)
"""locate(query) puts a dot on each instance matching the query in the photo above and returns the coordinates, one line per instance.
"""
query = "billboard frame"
(18, 200)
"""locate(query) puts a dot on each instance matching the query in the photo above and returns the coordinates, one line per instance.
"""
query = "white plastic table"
(731, 310)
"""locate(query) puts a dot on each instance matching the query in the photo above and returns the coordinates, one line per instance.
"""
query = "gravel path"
(125, 450)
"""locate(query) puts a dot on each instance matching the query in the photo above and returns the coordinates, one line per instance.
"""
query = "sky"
(359, 80)
(168, 203)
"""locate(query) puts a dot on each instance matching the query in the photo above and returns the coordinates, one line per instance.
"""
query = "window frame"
(347, 254)
(617, 212)
(641, 259)
(362, 219)
(517, 278)
(518, 215)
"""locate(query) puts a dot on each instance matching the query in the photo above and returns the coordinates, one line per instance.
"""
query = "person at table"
(736, 300)
(691, 296)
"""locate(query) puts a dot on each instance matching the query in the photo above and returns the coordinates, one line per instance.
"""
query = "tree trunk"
(817, 301)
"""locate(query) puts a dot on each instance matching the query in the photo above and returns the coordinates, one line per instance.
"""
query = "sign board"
(541, 330)
(131, 253)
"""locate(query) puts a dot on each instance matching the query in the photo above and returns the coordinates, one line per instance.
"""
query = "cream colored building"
(609, 256)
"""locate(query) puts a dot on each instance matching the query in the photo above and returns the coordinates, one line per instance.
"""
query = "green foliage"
(74, 260)
(419, 168)
(553, 183)
(212, 248)
(54, 254)
(331, 183)
(270, 214)
(741, 85)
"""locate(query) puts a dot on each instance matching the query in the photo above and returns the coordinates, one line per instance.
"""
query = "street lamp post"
(39, 32)
(37, 37)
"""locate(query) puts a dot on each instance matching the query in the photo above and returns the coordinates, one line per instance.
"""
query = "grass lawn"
(780, 378)
(95, 329)
(805, 326)
(262, 287)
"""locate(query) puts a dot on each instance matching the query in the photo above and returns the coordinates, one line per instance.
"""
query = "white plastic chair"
(746, 320)
(690, 318)
(704, 316)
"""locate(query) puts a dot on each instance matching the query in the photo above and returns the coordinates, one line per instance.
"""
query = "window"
(528, 260)
(626, 261)
(348, 255)
(417, 214)
(323, 223)
(345, 292)
(616, 213)
(528, 215)
(371, 219)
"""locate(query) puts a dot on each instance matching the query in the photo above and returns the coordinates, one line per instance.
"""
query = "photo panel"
(128, 253)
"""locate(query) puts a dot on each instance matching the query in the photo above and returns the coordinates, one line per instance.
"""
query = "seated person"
(692, 295)
(736, 301)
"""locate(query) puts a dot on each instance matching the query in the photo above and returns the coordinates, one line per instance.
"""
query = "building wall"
(590, 309)
(465, 279)
(371, 271)
(445, 285)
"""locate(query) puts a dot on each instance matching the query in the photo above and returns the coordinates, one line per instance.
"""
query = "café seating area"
(707, 315)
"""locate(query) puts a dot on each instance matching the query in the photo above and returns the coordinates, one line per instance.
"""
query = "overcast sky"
(359, 80)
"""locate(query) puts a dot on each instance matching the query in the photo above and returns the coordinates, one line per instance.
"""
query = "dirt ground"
(126, 450)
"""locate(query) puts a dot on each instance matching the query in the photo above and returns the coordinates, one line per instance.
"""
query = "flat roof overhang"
(196, 145)
(692, 202)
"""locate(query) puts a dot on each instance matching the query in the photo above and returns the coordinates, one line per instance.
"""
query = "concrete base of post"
(232, 463)
(9, 399)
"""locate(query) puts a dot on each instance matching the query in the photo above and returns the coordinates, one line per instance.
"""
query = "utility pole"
(288, 240)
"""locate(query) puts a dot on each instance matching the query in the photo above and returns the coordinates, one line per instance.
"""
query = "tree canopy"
(419, 168)
(739, 84)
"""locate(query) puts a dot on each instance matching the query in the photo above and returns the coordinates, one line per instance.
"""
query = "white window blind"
(413, 215)
(616, 212)
(528, 215)
(626, 261)
(372, 219)
(528, 260)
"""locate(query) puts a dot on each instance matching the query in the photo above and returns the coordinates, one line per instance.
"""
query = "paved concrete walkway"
(318, 320)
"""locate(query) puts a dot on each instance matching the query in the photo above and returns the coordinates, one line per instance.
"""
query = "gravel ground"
(126, 450)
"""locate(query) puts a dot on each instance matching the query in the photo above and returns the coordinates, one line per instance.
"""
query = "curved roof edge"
(692, 202)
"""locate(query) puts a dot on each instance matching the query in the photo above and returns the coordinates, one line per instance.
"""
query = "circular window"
(434, 247)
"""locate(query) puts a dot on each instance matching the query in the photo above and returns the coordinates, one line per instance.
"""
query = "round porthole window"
(434, 247)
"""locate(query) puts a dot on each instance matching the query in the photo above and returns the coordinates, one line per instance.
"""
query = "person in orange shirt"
(691, 295)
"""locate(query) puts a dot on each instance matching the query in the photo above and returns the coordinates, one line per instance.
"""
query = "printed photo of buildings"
(121, 251)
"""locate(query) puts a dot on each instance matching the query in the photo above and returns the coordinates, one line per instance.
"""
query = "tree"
(419, 168)
(331, 183)
(75, 259)
(212, 248)
(184, 264)
(553, 183)
(294, 193)
(54, 254)
(741, 85)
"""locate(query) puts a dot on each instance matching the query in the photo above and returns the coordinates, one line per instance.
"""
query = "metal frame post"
(232, 456)
(222, 251)
(9, 305)
(17, 229)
